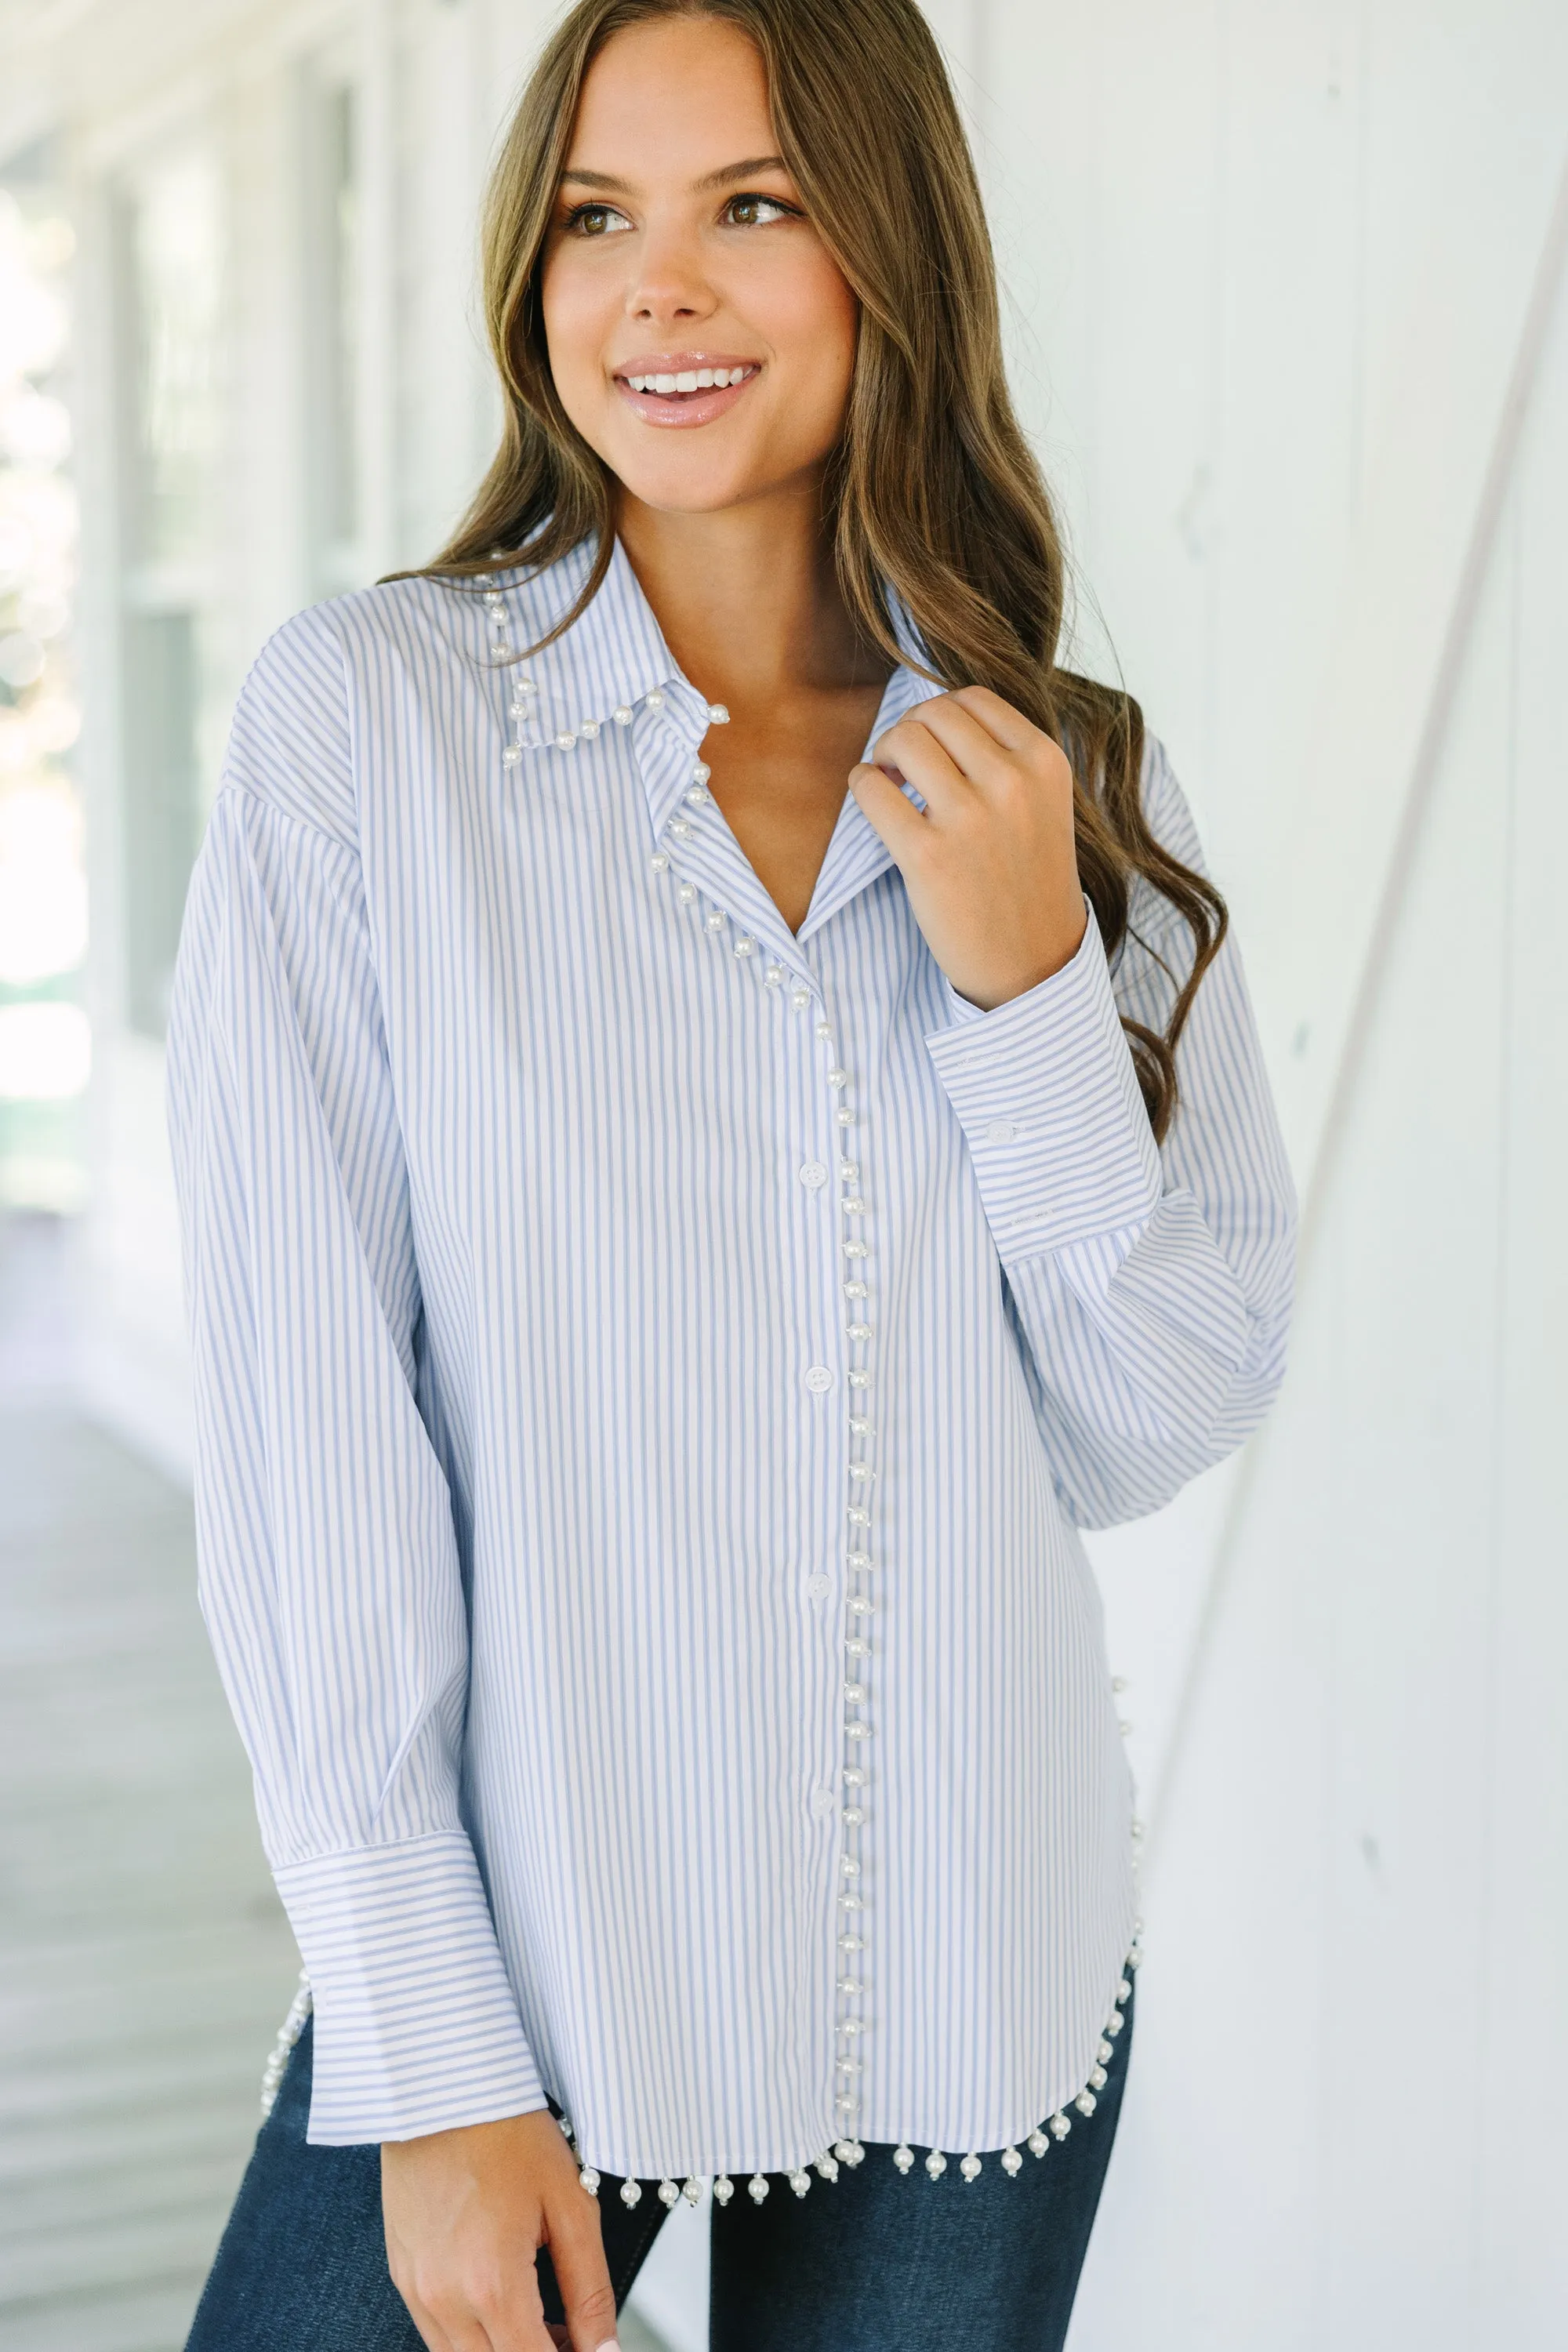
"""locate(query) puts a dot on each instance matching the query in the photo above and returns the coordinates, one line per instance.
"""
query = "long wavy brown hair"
(932, 489)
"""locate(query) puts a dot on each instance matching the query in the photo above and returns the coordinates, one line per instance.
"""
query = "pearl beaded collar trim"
(520, 710)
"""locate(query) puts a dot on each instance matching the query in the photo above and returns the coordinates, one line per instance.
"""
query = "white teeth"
(721, 377)
(687, 380)
(664, 383)
(704, 379)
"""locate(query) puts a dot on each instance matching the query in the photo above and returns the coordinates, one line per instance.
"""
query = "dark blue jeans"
(873, 2263)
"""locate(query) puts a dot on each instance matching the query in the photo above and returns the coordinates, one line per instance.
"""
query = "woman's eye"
(596, 220)
(755, 212)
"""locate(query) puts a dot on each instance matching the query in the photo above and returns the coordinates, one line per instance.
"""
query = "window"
(330, 280)
(170, 272)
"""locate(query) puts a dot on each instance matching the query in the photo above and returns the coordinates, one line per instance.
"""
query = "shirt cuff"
(417, 2026)
(1047, 1094)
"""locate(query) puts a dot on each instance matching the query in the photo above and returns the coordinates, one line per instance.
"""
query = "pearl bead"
(1105, 2054)
(669, 2192)
(656, 701)
(745, 947)
(715, 922)
(859, 1330)
(774, 975)
(936, 2164)
(686, 893)
(590, 2179)
(859, 1559)
(970, 2167)
(800, 2182)
(852, 2154)
(800, 998)
(1124, 1992)
(692, 2191)
(1085, 2103)
(701, 772)
(855, 1249)
(659, 861)
(825, 1029)
(845, 1118)
(588, 730)
(827, 2165)
(1037, 2143)
(512, 755)
(903, 2157)
(1097, 2078)
(717, 714)
(838, 1077)
(1012, 2162)
(1115, 2021)
(860, 1379)
(621, 715)
(566, 742)
(856, 1290)
(631, 2192)
(853, 1777)
(850, 1171)
(757, 2188)
(723, 2189)
(1060, 2126)
(681, 829)
(697, 797)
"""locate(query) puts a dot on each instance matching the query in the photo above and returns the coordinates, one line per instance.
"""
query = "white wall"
(1285, 322)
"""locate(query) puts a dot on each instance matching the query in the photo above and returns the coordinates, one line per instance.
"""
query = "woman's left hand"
(990, 866)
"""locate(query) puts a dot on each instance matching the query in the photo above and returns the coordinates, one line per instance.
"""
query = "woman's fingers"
(467, 2210)
(900, 824)
(917, 751)
(957, 746)
(577, 2252)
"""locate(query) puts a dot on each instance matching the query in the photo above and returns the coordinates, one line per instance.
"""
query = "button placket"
(853, 1255)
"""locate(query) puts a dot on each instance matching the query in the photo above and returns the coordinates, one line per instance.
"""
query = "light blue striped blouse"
(650, 1370)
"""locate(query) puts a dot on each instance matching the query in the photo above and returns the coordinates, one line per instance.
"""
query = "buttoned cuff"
(417, 2024)
(1047, 1096)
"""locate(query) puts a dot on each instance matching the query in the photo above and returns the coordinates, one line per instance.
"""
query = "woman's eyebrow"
(723, 178)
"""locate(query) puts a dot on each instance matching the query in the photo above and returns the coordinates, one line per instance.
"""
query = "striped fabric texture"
(651, 1368)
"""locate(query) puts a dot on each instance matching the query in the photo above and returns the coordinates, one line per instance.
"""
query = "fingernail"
(611, 2346)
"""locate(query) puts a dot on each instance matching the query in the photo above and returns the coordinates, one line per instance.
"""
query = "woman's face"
(701, 338)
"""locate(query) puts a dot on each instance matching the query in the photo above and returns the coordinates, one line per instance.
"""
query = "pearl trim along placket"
(850, 2023)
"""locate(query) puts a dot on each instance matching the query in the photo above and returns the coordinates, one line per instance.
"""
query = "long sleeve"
(328, 1562)
(1148, 1287)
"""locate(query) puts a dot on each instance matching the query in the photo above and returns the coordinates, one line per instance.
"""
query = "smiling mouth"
(681, 383)
(695, 394)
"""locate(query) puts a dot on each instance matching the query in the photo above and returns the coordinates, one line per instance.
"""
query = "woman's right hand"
(466, 2213)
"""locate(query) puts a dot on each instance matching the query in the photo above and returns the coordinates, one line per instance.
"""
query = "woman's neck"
(749, 599)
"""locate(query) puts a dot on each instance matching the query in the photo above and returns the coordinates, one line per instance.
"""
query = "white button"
(812, 1175)
(818, 1587)
(1001, 1130)
(821, 1800)
(820, 1380)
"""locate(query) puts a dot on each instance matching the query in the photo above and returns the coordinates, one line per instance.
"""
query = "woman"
(677, 1247)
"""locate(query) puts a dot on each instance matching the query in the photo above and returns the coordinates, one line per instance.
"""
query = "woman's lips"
(698, 406)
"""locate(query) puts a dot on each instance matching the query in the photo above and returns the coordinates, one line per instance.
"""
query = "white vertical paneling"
(1338, 2132)
(1511, 2130)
